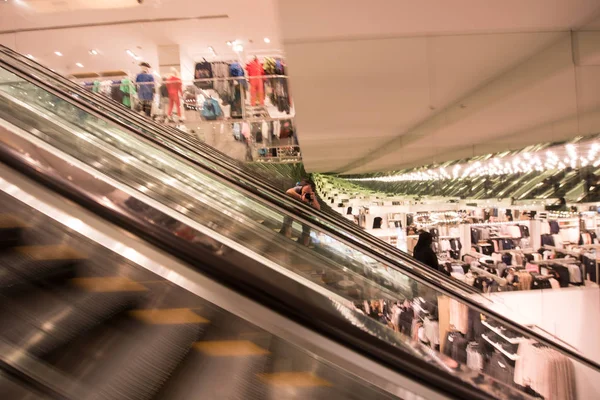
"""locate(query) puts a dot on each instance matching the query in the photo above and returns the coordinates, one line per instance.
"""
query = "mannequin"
(175, 90)
(257, 91)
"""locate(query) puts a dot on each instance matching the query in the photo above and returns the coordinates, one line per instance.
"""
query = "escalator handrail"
(272, 295)
(223, 161)
(456, 291)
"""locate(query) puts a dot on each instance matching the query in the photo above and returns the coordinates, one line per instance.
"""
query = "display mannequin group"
(145, 83)
(175, 90)
(255, 76)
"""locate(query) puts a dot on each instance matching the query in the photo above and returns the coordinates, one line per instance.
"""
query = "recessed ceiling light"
(229, 43)
(238, 48)
(210, 48)
(94, 52)
(132, 54)
(80, 65)
(267, 40)
(58, 53)
(30, 56)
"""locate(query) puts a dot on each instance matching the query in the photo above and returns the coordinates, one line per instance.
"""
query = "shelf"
(513, 357)
(499, 333)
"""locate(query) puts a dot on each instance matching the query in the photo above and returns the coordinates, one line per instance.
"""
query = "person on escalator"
(423, 251)
(303, 192)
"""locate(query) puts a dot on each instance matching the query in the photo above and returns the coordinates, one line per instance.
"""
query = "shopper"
(175, 89)
(303, 192)
(145, 82)
(423, 251)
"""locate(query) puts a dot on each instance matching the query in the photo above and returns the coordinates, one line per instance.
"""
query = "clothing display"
(203, 70)
(546, 371)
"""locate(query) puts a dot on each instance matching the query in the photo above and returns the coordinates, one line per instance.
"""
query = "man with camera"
(302, 191)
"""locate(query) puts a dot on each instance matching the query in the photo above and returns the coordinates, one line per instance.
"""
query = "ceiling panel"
(439, 79)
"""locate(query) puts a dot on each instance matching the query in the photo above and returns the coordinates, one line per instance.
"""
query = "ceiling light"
(94, 52)
(30, 57)
(58, 53)
(229, 43)
(238, 48)
(267, 40)
(80, 65)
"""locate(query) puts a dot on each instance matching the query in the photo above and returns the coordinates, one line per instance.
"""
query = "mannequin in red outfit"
(255, 69)
(175, 89)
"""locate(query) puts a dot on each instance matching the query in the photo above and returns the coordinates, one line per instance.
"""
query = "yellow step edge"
(10, 221)
(293, 379)
(51, 252)
(108, 284)
(230, 348)
(260, 221)
(168, 316)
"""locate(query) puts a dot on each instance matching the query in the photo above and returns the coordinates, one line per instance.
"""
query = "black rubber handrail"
(423, 275)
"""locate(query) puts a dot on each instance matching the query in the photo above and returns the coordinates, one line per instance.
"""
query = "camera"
(308, 196)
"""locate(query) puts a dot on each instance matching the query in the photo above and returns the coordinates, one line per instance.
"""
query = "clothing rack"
(510, 356)
(500, 223)
(480, 271)
(556, 261)
(556, 249)
(523, 251)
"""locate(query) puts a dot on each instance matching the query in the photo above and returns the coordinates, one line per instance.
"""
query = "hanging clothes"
(128, 91)
(203, 70)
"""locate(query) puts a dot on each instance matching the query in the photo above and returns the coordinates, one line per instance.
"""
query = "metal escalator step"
(10, 221)
(219, 370)
(11, 229)
(168, 316)
(51, 252)
(127, 359)
(293, 379)
(18, 271)
(108, 284)
(230, 348)
(41, 321)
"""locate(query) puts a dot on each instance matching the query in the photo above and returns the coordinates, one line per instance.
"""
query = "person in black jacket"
(423, 251)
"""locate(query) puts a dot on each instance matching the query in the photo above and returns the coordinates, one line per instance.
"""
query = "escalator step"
(221, 369)
(11, 229)
(229, 348)
(132, 356)
(108, 284)
(36, 264)
(293, 380)
(169, 316)
(50, 252)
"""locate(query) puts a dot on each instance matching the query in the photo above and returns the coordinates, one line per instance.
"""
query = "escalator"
(214, 227)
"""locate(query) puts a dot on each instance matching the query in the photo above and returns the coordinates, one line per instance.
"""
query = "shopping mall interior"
(286, 199)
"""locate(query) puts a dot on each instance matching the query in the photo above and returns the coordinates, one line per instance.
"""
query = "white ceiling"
(399, 83)
(197, 25)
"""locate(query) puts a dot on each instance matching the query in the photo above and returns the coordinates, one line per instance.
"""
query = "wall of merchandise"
(499, 247)
(518, 255)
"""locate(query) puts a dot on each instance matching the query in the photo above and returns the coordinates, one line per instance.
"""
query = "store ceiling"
(399, 84)
(74, 27)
